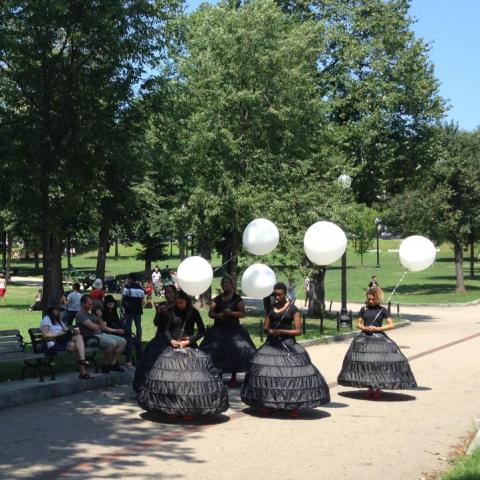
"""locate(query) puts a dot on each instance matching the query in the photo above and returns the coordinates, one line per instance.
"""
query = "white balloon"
(258, 281)
(260, 236)
(417, 253)
(324, 243)
(194, 275)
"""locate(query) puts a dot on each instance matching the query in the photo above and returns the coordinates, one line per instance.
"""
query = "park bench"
(13, 350)
(39, 346)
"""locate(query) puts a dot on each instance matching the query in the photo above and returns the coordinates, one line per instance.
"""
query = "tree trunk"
(8, 261)
(26, 248)
(181, 247)
(206, 252)
(52, 267)
(316, 304)
(69, 255)
(459, 267)
(472, 258)
(4, 249)
(116, 248)
(230, 256)
(36, 258)
(148, 269)
(102, 249)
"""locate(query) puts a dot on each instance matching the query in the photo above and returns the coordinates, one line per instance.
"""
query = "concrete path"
(103, 434)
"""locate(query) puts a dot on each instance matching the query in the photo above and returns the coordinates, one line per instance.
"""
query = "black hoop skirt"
(149, 356)
(184, 383)
(230, 348)
(282, 376)
(375, 361)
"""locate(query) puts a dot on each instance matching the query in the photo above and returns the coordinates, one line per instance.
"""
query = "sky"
(450, 27)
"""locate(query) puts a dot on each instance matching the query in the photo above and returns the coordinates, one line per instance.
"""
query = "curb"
(476, 440)
(31, 390)
(345, 336)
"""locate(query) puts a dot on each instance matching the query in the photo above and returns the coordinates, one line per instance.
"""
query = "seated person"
(59, 337)
(93, 327)
(111, 317)
(37, 305)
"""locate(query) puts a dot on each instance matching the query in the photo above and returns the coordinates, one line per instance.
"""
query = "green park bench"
(13, 350)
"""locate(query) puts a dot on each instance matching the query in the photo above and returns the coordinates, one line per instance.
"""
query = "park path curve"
(105, 435)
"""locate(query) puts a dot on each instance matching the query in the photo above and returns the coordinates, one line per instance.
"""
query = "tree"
(379, 87)
(446, 205)
(362, 227)
(255, 115)
(68, 71)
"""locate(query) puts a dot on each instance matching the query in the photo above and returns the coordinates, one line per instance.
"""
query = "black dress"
(184, 381)
(281, 374)
(227, 342)
(374, 360)
(154, 347)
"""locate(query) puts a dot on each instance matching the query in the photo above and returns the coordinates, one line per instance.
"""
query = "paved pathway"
(103, 434)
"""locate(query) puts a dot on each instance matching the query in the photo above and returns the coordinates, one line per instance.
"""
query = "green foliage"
(362, 227)
(465, 468)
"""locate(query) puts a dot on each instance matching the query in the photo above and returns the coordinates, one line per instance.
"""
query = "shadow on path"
(313, 414)
(94, 435)
(386, 396)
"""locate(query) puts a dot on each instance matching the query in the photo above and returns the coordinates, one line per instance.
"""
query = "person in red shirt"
(98, 293)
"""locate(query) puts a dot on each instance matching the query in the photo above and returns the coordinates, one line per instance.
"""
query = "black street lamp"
(344, 317)
(378, 224)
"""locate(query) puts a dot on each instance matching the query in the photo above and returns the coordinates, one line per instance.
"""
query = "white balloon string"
(223, 264)
(391, 295)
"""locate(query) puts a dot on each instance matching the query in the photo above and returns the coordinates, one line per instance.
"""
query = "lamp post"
(378, 224)
(344, 317)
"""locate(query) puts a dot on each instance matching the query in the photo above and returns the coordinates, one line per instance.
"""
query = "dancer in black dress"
(373, 359)
(183, 380)
(281, 375)
(158, 343)
(227, 342)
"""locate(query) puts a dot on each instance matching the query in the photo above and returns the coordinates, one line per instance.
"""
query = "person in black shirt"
(183, 380)
(281, 375)
(158, 343)
(227, 342)
(374, 360)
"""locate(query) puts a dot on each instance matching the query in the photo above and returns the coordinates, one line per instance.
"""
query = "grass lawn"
(433, 285)
(466, 468)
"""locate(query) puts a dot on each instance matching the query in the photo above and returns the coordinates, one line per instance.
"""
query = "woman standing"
(374, 360)
(281, 375)
(227, 342)
(58, 338)
(183, 380)
(158, 343)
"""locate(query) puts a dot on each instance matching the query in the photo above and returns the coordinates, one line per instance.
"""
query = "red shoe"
(173, 416)
(266, 410)
(188, 418)
(294, 413)
(377, 394)
(369, 393)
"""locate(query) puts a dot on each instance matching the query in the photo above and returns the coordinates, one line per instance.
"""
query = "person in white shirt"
(58, 337)
(73, 303)
(156, 277)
